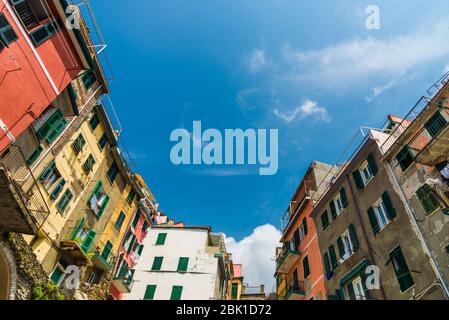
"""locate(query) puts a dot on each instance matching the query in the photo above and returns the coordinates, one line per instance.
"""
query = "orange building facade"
(299, 269)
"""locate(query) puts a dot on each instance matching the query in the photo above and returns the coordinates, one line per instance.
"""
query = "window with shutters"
(161, 237)
(131, 196)
(345, 245)
(50, 176)
(94, 122)
(401, 269)
(88, 79)
(136, 219)
(327, 263)
(381, 213)
(157, 263)
(333, 258)
(7, 33)
(88, 165)
(64, 201)
(57, 275)
(149, 292)
(235, 291)
(30, 12)
(121, 218)
(428, 199)
(435, 124)
(405, 158)
(183, 264)
(84, 236)
(102, 142)
(366, 172)
(44, 32)
(98, 200)
(107, 250)
(356, 290)
(339, 203)
(78, 144)
(325, 220)
(53, 126)
(113, 172)
(35, 155)
(306, 267)
(57, 190)
(176, 293)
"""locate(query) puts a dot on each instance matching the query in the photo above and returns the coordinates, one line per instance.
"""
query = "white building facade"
(180, 263)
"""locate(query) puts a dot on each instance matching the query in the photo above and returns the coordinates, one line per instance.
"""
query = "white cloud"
(346, 63)
(256, 253)
(308, 108)
(379, 89)
(257, 60)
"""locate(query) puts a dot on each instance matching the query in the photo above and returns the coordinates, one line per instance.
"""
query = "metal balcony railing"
(295, 286)
(305, 190)
(253, 290)
(24, 186)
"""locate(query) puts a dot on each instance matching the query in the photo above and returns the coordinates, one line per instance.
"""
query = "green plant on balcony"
(46, 291)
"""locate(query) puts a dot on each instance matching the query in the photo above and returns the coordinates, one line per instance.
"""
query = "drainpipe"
(365, 235)
(418, 232)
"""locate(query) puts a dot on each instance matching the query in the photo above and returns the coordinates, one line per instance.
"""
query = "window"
(113, 172)
(89, 164)
(145, 226)
(84, 236)
(157, 263)
(306, 267)
(366, 172)
(435, 124)
(58, 274)
(121, 218)
(35, 155)
(183, 264)
(176, 293)
(31, 12)
(235, 291)
(325, 220)
(94, 122)
(381, 213)
(347, 243)
(356, 290)
(78, 144)
(136, 219)
(53, 126)
(131, 196)
(405, 158)
(102, 142)
(91, 278)
(88, 79)
(339, 203)
(7, 34)
(107, 250)
(57, 190)
(149, 292)
(44, 32)
(327, 263)
(401, 269)
(98, 200)
(427, 198)
(161, 237)
(333, 257)
(50, 176)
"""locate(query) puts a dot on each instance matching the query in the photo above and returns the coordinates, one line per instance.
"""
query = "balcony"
(22, 205)
(99, 261)
(295, 291)
(306, 191)
(75, 251)
(123, 281)
(286, 260)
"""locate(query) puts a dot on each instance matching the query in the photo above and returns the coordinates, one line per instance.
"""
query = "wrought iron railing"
(24, 183)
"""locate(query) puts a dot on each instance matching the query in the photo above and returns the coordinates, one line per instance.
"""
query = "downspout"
(418, 232)
(365, 235)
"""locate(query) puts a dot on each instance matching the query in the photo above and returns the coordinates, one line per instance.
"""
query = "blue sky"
(308, 68)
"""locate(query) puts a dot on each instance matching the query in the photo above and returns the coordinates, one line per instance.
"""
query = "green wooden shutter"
(106, 250)
(427, 198)
(333, 210)
(56, 275)
(139, 252)
(157, 263)
(354, 239)
(306, 229)
(435, 124)
(391, 212)
(95, 191)
(234, 291)
(88, 241)
(351, 292)
(401, 269)
(372, 164)
(373, 221)
(358, 179)
(103, 206)
(405, 158)
(341, 247)
(333, 256)
(306, 267)
(344, 199)
(149, 292)
(327, 264)
(161, 239)
(176, 293)
(183, 264)
(325, 220)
